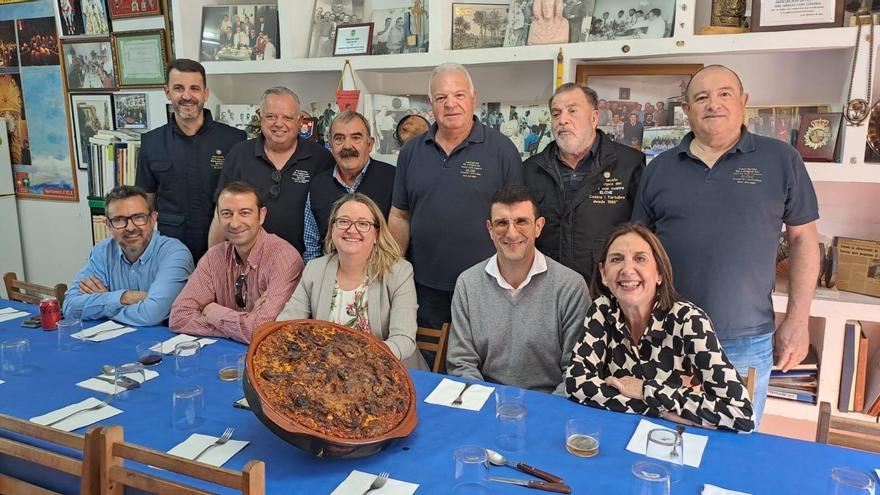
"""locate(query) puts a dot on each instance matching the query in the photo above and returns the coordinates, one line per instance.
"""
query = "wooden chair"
(115, 476)
(76, 462)
(433, 340)
(19, 290)
(846, 432)
(749, 381)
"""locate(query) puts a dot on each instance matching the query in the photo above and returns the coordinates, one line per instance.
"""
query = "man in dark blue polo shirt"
(718, 202)
(445, 181)
(279, 164)
(180, 162)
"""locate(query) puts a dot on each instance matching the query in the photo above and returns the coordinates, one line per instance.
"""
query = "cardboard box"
(858, 265)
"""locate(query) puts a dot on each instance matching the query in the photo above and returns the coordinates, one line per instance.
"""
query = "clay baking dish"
(321, 444)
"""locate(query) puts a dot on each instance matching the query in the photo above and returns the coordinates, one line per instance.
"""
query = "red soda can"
(50, 313)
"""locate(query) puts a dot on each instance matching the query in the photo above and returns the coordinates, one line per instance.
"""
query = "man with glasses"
(279, 164)
(180, 162)
(517, 315)
(350, 144)
(134, 276)
(243, 282)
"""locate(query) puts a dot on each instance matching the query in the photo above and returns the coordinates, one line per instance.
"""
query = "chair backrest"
(19, 290)
(846, 432)
(115, 476)
(75, 462)
(433, 340)
(749, 381)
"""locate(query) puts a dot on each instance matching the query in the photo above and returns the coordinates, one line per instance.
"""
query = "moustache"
(348, 153)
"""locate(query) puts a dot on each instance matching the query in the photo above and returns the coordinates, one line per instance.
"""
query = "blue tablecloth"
(755, 463)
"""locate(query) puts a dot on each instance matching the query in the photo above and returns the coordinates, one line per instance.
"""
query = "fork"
(379, 482)
(227, 434)
(92, 408)
(457, 401)
(87, 337)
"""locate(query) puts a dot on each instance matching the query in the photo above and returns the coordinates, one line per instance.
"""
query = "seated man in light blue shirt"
(134, 277)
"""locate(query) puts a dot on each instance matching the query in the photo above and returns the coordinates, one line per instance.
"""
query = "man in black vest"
(350, 144)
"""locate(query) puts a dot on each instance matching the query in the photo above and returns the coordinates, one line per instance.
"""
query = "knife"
(536, 472)
(539, 485)
(124, 381)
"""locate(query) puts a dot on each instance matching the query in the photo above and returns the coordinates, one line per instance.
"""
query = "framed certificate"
(782, 15)
(134, 8)
(140, 58)
(353, 39)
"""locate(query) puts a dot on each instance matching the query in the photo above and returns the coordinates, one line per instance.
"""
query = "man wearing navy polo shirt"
(718, 202)
(445, 179)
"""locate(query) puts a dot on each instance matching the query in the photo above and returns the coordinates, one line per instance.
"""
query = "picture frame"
(240, 33)
(90, 112)
(121, 9)
(653, 93)
(83, 18)
(140, 58)
(781, 122)
(771, 15)
(466, 33)
(647, 19)
(88, 64)
(353, 39)
(328, 14)
(130, 111)
(399, 26)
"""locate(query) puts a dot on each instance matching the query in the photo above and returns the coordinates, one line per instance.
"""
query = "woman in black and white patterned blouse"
(648, 351)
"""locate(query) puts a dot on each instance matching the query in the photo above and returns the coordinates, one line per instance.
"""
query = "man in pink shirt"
(242, 282)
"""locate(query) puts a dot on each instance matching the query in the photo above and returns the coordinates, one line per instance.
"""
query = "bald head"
(712, 68)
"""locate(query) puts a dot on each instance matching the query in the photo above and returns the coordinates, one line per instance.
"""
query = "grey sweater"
(524, 340)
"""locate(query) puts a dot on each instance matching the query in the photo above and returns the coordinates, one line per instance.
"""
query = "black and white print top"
(678, 343)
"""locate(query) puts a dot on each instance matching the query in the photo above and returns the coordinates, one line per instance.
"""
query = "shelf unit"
(777, 68)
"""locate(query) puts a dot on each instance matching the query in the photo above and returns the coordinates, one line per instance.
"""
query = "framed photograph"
(782, 122)
(88, 64)
(37, 41)
(85, 17)
(140, 58)
(134, 8)
(244, 117)
(526, 124)
(646, 19)
(240, 32)
(91, 113)
(652, 93)
(328, 15)
(781, 15)
(387, 110)
(8, 53)
(656, 140)
(16, 118)
(354, 39)
(131, 110)
(478, 25)
(401, 26)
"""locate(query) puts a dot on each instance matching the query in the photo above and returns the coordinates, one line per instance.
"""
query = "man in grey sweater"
(516, 315)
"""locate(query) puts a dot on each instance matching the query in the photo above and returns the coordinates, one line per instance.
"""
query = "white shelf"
(839, 172)
(791, 409)
(849, 306)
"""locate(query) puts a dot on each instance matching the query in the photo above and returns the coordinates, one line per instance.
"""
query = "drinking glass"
(66, 340)
(121, 376)
(186, 358)
(231, 367)
(848, 481)
(510, 409)
(650, 478)
(582, 437)
(471, 469)
(149, 353)
(188, 408)
(14, 356)
(667, 447)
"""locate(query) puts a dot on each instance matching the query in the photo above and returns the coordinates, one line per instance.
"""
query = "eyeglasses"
(501, 225)
(275, 190)
(241, 291)
(362, 226)
(273, 117)
(138, 219)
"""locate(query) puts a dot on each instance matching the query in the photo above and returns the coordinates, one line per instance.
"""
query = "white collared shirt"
(539, 265)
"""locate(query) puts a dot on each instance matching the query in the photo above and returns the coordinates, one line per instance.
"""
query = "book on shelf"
(810, 363)
(115, 160)
(797, 395)
(99, 228)
(872, 385)
(853, 368)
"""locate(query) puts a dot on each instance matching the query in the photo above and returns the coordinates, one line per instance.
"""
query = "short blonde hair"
(386, 252)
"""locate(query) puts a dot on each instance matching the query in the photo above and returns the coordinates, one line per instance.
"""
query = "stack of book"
(114, 160)
(859, 375)
(800, 383)
(99, 228)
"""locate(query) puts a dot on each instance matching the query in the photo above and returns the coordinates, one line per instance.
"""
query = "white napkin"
(716, 490)
(77, 420)
(115, 330)
(876, 470)
(11, 314)
(215, 456)
(359, 481)
(109, 388)
(167, 347)
(693, 444)
(447, 390)
(1, 381)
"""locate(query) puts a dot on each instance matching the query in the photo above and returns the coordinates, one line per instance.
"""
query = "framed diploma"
(783, 15)
(353, 39)
(140, 58)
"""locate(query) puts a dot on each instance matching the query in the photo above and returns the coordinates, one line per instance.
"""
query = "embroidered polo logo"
(217, 160)
(610, 192)
(471, 170)
(748, 175)
(300, 176)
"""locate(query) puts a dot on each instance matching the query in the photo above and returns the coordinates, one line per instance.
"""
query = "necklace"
(856, 110)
